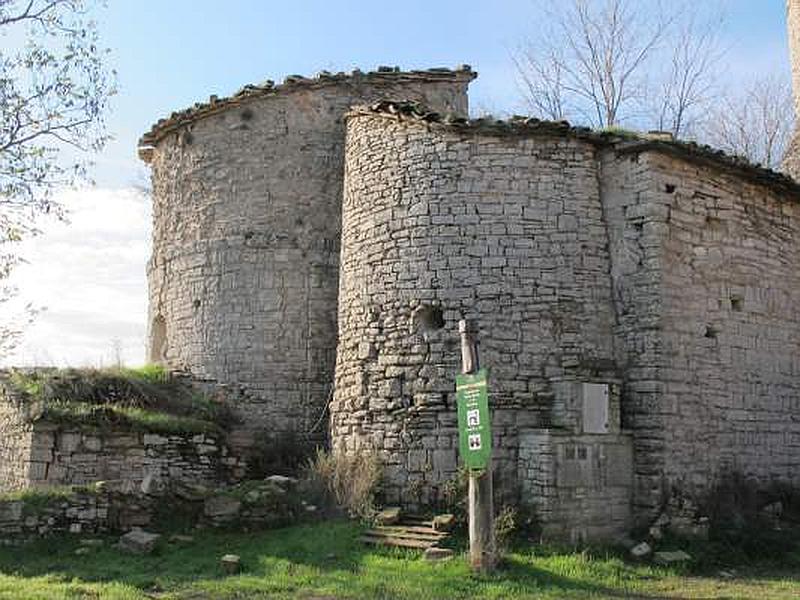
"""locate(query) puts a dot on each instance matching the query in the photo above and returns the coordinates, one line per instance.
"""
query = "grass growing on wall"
(144, 399)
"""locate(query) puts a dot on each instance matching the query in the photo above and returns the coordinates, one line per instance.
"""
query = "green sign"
(474, 424)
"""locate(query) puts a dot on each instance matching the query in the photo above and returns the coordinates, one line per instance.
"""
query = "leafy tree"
(55, 86)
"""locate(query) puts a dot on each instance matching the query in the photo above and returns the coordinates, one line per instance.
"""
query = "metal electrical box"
(595, 407)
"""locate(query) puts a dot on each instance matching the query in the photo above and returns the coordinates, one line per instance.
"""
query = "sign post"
(475, 442)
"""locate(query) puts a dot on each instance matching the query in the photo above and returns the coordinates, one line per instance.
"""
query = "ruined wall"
(246, 205)
(78, 512)
(16, 434)
(125, 459)
(504, 228)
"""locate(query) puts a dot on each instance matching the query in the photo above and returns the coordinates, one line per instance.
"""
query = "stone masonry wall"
(635, 214)
(731, 327)
(244, 272)
(579, 486)
(706, 290)
(16, 434)
(507, 230)
(125, 459)
(79, 512)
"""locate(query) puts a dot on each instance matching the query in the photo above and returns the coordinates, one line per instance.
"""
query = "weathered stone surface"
(671, 558)
(231, 563)
(124, 461)
(641, 550)
(222, 507)
(244, 276)
(388, 516)
(281, 480)
(435, 554)
(138, 541)
(444, 522)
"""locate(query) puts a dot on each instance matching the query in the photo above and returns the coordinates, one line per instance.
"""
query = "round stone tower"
(791, 162)
(246, 209)
(450, 220)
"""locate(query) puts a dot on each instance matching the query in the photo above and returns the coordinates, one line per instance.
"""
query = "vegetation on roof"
(144, 399)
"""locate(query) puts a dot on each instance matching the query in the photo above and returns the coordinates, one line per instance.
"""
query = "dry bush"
(350, 480)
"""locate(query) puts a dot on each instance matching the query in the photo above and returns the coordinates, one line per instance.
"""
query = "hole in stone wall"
(196, 303)
(737, 303)
(711, 332)
(427, 318)
(669, 188)
(582, 453)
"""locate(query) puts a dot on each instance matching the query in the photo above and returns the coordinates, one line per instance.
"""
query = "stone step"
(401, 542)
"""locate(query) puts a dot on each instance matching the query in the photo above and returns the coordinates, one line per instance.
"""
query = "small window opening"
(711, 332)
(669, 188)
(427, 318)
(737, 303)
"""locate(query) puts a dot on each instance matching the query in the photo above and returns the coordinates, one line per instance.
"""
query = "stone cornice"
(290, 84)
(623, 142)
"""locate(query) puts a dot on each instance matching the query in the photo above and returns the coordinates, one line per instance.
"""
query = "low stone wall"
(579, 486)
(128, 461)
(35, 515)
(98, 509)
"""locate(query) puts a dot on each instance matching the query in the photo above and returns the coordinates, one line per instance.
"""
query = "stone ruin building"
(315, 244)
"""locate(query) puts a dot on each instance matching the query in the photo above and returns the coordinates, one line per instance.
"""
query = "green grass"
(327, 561)
(143, 399)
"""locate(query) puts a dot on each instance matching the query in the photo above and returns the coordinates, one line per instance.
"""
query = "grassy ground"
(326, 562)
(145, 399)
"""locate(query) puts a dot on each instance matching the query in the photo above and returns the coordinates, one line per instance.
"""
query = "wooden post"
(482, 551)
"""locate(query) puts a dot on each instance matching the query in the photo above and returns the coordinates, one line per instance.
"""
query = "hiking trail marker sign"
(474, 425)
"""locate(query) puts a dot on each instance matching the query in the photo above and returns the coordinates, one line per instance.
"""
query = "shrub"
(505, 528)
(350, 480)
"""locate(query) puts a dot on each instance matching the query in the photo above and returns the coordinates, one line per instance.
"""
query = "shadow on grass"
(322, 558)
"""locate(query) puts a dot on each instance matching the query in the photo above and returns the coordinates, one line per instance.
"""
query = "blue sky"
(172, 53)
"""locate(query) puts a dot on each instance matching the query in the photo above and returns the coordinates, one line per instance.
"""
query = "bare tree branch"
(594, 64)
(755, 122)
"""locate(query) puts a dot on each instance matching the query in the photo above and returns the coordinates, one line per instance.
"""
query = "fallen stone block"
(388, 516)
(675, 557)
(138, 541)
(222, 507)
(281, 480)
(444, 522)
(231, 564)
(642, 550)
(181, 539)
(434, 554)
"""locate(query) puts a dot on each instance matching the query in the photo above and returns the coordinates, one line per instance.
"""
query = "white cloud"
(89, 274)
